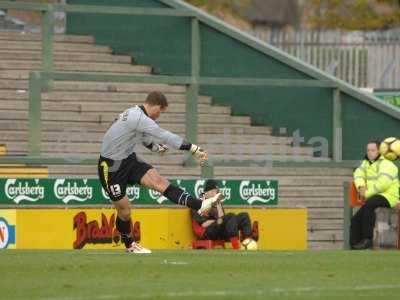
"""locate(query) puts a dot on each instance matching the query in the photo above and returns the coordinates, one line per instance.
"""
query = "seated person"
(216, 225)
(377, 183)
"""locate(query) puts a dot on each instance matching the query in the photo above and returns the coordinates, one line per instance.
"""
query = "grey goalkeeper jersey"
(131, 128)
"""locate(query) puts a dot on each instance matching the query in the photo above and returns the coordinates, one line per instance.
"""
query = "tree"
(228, 10)
(355, 14)
(230, 6)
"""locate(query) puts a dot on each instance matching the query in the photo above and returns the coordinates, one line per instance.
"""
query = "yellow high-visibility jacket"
(380, 178)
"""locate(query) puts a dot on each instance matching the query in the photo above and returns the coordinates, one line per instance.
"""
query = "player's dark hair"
(157, 98)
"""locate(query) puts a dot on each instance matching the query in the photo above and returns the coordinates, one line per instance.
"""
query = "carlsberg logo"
(255, 192)
(22, 190)
(199, 188)
(157, 196)
(133, 193)
(67, 191)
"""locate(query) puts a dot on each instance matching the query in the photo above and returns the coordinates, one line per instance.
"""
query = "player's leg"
(230, 225)
(244, 224)
(124, 226)
(356, 227)
(114, 181)
(368, 218)
(124, 221)
(153, 180)
(214, 232)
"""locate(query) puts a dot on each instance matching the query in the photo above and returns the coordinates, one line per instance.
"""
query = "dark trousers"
(230, 227)
(363, 222)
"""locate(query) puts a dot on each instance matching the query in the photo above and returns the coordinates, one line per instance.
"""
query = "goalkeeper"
(119, 166)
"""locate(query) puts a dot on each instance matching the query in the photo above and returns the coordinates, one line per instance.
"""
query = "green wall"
(363, 123)
(164, 43)
(161, 42)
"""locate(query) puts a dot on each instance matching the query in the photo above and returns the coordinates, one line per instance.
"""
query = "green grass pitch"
(198, 274)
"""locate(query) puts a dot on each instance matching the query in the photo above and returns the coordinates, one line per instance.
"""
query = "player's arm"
(207, 223)
(157, 148)
(200, 219)
(149, 127)
(220, 210)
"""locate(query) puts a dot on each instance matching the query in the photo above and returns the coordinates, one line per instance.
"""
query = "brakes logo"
(7, 234)
(91, 232)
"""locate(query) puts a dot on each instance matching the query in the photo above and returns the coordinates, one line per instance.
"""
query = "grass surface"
(218, 274)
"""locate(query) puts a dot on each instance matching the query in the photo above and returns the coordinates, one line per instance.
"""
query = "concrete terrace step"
(271, 171)
(238, 149)
(117, 87)
(311, 191)
(51, 136)
(76, 66)
(325, 245)
(28, 55)
(115, 108)
(26, 36)
(66, 145)
(325, 213)
(322, 224)
(326, 235)
(79, 87)
(126, 99)
(311, 203)
(88, 127)
(67, 148)
(228, 138)
(95, 117)
(92, 107)
(91, 171)
(58, 46)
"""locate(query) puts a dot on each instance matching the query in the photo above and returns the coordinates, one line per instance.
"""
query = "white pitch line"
(228, 293)
(181, 263)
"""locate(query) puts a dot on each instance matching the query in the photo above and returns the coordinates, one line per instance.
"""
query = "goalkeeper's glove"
(159, 148)
(199, 153)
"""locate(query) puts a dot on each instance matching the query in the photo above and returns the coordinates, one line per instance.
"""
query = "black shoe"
(364, 244)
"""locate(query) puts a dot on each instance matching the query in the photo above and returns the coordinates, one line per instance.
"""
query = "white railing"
(363, 59)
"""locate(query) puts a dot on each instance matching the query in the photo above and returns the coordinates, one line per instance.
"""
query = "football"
(390, 148)
(249, 244)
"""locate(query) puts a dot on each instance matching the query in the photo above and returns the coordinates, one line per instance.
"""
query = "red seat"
(207, 244)
(201, 243)
(353, 196)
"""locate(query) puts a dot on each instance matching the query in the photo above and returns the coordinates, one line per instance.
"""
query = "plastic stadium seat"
(353, 196)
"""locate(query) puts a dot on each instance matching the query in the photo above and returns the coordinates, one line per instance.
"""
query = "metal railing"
(361, 58)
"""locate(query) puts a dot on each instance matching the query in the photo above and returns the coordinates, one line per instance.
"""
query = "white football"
(249, 244)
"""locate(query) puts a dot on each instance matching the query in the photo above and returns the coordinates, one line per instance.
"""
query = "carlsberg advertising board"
(89, 192)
